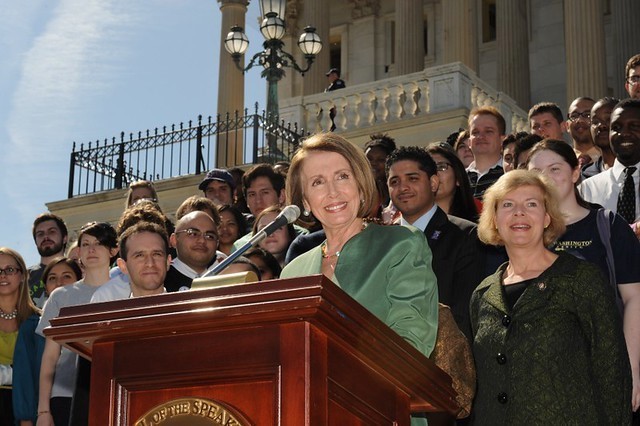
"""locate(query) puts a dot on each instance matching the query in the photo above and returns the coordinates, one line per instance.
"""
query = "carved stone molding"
(363, 8)
(293, 12)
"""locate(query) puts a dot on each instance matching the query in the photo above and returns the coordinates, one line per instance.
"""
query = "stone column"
(626, 39)
(409, 37)
(584, 48)
(460, 25)
(230, 84)
(513, 50)
(315, 13)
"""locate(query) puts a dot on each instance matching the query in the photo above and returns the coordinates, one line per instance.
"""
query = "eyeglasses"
(194, 234)
(633, 80)
(442, 166)
(575, 116)
(9, 271)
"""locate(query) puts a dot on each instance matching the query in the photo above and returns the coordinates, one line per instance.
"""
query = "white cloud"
(69, 61)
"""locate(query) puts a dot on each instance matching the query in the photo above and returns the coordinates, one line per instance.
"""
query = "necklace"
(9, 316)
(323, 248)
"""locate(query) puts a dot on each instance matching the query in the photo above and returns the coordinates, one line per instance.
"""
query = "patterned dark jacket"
(558, 357)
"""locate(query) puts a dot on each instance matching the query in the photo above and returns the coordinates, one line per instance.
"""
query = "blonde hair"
(511, 181)
(331, 142)
(25, 305)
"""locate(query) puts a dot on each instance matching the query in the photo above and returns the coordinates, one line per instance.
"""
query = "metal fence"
(179, 150)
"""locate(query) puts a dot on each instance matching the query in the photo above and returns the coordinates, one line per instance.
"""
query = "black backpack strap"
(604, 219)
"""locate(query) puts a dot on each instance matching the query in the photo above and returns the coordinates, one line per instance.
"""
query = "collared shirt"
(187, 271)
(422, 222)
(604, 188)
(594, 153)
(481, 181)
(164, 290)
(592, 169)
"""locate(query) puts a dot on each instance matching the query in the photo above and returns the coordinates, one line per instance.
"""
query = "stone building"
(415, 68)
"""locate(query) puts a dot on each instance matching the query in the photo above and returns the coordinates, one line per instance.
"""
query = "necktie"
(627, 198)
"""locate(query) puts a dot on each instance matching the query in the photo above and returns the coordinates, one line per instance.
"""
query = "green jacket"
(558, 357)
(388, 270)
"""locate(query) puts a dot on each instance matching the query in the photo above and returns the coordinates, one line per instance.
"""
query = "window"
(335, 51)
(488, 20)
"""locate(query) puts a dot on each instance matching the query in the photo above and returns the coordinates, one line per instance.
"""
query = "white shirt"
(422, 222)
(115, 289)
(604, 188)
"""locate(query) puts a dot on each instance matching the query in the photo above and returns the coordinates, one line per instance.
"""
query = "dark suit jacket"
(458, 262)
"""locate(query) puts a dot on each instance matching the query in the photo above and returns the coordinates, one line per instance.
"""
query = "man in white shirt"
(624, 136)
(144, 259)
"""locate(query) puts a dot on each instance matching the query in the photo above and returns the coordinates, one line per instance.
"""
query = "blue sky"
(81, 70)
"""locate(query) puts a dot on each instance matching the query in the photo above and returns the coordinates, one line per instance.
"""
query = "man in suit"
(458, 259)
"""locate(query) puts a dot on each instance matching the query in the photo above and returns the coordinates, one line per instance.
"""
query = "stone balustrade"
(430, 91)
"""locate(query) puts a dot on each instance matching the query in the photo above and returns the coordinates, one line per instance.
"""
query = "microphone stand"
(236, 254)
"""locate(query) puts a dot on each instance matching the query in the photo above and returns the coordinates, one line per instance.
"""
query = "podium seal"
(192, 412)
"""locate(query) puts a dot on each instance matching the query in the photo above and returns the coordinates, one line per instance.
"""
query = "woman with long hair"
(557, 160)
(17, 315)
(30, 345)
(454, 194)
(232, 226)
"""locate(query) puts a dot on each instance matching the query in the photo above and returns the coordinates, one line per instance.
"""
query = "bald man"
(196, 242)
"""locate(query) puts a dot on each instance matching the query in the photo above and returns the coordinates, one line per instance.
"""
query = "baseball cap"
(333, 70)
(219, 175)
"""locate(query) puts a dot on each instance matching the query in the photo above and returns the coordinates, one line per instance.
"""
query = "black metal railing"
(179, 150)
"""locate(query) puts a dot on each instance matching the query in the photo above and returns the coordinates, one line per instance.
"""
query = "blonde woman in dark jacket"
(548, 340)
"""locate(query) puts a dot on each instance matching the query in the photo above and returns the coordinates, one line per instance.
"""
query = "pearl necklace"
(9, 316)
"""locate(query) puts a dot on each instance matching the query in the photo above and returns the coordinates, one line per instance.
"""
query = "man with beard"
(632, 77)
(617, 188)
(600, 117)
(578, 122)
(50, 235)
(196, 242)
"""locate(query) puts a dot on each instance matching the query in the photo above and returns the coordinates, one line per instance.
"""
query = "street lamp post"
(273, 58)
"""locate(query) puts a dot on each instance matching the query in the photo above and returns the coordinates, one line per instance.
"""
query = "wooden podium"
(284, 352)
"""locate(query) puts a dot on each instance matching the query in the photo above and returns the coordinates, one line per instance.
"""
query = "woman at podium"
(387, 269)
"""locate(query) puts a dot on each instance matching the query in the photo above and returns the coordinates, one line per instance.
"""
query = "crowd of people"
(531, 239)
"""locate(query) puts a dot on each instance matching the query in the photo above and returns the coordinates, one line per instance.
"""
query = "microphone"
(288, 215)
